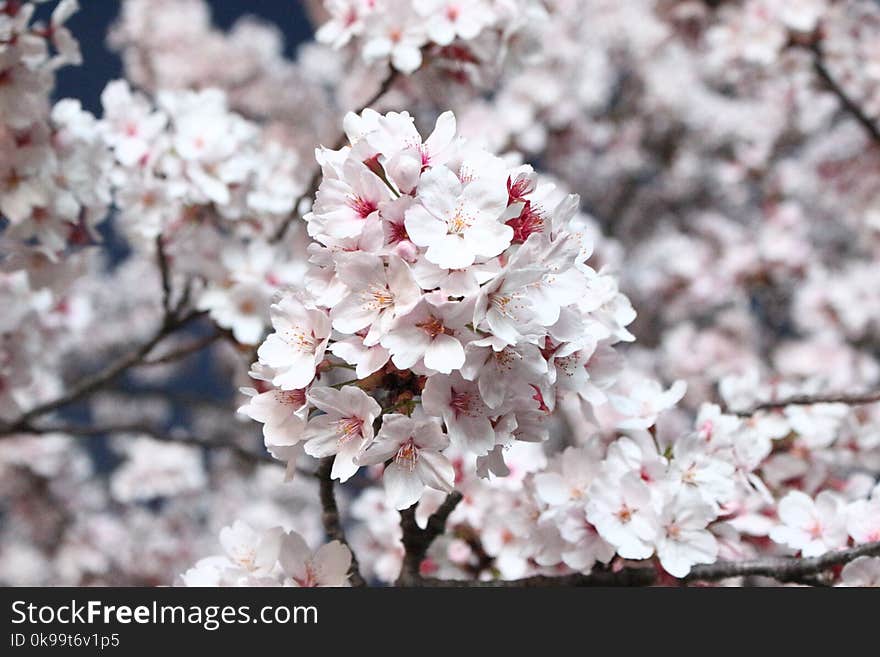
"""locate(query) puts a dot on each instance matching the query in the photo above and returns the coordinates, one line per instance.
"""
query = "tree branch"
(470, 536)
(846, 101)
(331, 519)
(640, 576)
(416, 540)
(91, 383)
(165, 273)
(808, 400)
(783, 569)
(187, 350)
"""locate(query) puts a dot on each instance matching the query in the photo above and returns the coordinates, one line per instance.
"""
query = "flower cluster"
(270, 558)
(456, 290)
(400, 31)
(191, 152)
(692, 500)
(53, 168)
(198, 174)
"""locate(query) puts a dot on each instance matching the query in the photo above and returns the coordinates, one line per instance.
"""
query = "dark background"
(91, 23)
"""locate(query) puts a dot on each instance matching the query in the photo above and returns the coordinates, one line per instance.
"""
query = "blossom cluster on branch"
(649, 357)
(402, 32)
(455, 287)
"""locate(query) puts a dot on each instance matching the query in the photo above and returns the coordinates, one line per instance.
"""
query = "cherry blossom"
(328, 566)
(414, 447)
(298, 343)
(684, 539)
(456, 221)
(345, 429)
(813, 527)
(624, 516)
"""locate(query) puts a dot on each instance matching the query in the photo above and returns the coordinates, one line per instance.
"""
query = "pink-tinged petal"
(360, 270)
(423, 227)
(429, 435)
(328, 400)
(345, 465)
(444, 354)
(435, 471)
(487, 196)
(377, 48)
(300, 373)
(268, 549)
(331, 564)
(406, 345)
(321, 436)
(275, 352)
(797, 509)
(373, 361)
(474, 434)
(352, 314)
(488, 238)
(439, 190)
(444, 133)
(403, 486)
(441, 31)
(266, 408)
(359, 404)
(407, 59)
(379, 452)
(288, 433)
(294, 556)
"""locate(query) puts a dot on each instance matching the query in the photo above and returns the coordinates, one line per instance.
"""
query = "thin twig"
(165, 273)
(436, 525)
(331, 519)
(808, 400)
(183, 352)
(484, 560)
(91, 383)
(315, 180)
(848, 103)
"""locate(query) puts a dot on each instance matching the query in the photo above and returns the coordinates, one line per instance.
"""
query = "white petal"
(402, 486)
(331, 564)
(444, 354)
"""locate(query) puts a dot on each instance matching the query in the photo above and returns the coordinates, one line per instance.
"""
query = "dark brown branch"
(641, 576)
(165, 273)
(484, 560)
(782, 569)
(808, 400)
(416, 540)
(183, 352)
(315, 180)
(436, 525)
(331, 519)
(91, 383)
(846, 101)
